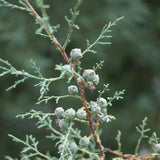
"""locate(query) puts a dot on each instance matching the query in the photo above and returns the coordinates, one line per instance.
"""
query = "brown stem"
(148, 157)
(128, 156)
(91, 122)
(132, 157)
(80, 85)
(54, 41)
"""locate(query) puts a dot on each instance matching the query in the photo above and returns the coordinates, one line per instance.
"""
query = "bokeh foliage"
(131, 62)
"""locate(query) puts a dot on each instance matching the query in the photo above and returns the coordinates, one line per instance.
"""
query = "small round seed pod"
(73, 89)
(89, 85)
(84, 141)
(60, 147)
(96, 79)
(79, 79)
(76, 54)
(67, 71)
(63, 124)
(63, 138)
(70, 113)
(95, 108)
(59, 111)
(72, 147)
(81, 114)
(157, 147)
(102, 102)
(89, 74)
(86, 84)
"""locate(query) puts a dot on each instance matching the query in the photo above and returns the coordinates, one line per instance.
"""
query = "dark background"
(132, 62)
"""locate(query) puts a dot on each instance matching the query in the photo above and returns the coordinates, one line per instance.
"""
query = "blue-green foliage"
(114, 66)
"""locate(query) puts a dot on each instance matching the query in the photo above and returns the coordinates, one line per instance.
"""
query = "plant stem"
(53, 38)
(88, 152)
(81, 88)
(66, 139)
(131, 157)
(74, 15)
(138, 145)
(28, 145)
(91, 123)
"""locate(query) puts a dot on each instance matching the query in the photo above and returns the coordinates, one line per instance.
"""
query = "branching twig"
(53, 38)
(101, 38)
(62, 50)
(31, 144)
(142, 130)
(43, 118)
(132, 157)
(74, 13)
(57, 98)
(91, 123)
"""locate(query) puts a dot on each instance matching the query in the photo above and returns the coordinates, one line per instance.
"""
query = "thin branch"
(101, 38)
(47, 98)
(74, 14)
(30, 146)
(132, 157)
(141, 129)
(91, 122)
(89, 153)
(82, 90)
(53, 38)
(128, 156)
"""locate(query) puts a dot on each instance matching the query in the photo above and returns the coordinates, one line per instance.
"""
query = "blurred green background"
(132, 62)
